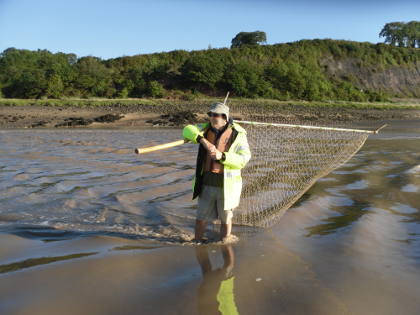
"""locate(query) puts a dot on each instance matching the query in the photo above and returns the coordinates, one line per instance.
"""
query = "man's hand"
(215, 154)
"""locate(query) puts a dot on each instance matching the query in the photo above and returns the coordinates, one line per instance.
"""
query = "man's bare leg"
(200, 227)
(225, 229)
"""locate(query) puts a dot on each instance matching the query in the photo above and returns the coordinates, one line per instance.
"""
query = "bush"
(155, 89)
(123, 93)
(203, 70)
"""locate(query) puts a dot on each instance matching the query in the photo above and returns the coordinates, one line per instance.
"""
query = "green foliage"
(203, 70)
(298, 70)
(246, 79)
(155, 89)
(34, 74)
(248, 39)
(93, 77)
(55, 87)
(402, 34)
(123, 93)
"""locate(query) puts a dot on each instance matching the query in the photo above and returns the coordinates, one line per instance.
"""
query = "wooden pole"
(383, 126)
(159, 147)
(227, 95)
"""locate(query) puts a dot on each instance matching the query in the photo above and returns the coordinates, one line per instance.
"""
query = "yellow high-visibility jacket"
(237, 157)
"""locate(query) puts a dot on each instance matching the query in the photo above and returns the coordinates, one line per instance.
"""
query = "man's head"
(219, 114)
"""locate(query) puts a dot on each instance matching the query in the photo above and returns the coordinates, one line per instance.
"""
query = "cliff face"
(400, 80)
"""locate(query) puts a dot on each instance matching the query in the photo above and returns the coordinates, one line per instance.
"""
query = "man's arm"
(195, 135)
(207, 144)
(240, 157)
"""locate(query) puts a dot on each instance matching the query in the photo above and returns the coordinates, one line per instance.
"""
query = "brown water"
(88, 227)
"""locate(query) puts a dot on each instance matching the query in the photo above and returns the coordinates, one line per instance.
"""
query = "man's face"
(217, 120)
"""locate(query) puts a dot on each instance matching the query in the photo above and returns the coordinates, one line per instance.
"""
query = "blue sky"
(109, 29)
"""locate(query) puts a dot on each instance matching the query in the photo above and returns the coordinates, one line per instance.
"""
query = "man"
(222, 153)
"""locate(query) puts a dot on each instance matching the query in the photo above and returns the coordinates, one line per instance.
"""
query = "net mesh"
(286, 161)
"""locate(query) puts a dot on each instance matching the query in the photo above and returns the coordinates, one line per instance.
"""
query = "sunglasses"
(214, 115)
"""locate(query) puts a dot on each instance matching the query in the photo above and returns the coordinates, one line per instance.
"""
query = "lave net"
(286, 161)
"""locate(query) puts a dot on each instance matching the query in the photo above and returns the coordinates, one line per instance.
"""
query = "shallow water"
(90, 180)
(79, 210)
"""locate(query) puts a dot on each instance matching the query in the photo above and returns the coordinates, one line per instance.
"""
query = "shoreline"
(176, 113)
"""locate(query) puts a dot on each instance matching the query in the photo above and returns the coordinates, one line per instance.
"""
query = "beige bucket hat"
(219, 108)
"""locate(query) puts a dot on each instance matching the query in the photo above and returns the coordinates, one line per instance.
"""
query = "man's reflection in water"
(215, 294)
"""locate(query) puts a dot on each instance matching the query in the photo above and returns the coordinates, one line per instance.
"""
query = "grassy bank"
(413, 104)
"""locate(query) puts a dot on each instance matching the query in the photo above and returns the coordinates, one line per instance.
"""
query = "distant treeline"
(297, 70)
(402, 34)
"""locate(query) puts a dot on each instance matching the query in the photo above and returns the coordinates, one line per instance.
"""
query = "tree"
(155, 89)
(412, 32)
(391, 32)
(35, 74)
(248, 39)
(94, 78)
(402, 34)
(55, 87)
(28, 84)
(245, 79)
(203, 70)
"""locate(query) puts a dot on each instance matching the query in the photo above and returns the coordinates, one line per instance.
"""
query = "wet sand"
(37, 116)
(49, 117)
(123, 276)
(133, 277)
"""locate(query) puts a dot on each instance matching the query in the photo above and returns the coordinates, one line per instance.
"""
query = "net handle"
(309, 127)
(159, 147)
(227, 95)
